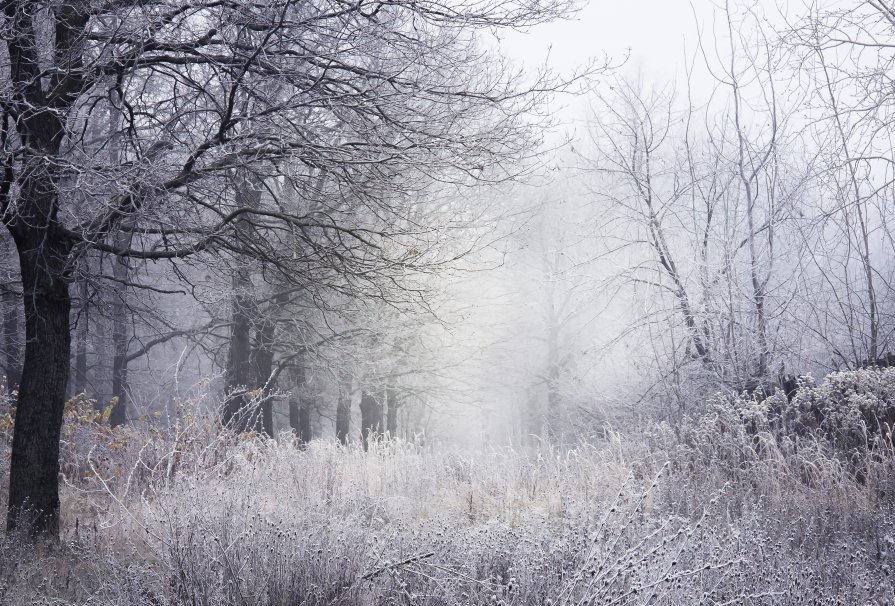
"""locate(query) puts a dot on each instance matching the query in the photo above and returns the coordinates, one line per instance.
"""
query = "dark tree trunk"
(391, 395)
(262, 359)
(243, 365)
(267, 416)
(43, 248)
(34, 465)
(118, 416)
(343, 413)
(304, 423)
(239, 367)
(295, 416)
(120, 342)
(300, 419)
(121, 269)
(371, 418)
(80, 384)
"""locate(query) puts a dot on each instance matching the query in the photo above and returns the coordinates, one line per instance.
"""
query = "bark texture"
(34, 464)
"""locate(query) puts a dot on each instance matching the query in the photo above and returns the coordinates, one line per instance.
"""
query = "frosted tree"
(378, 95)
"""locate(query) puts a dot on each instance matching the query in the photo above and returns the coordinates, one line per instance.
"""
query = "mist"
(447, 302)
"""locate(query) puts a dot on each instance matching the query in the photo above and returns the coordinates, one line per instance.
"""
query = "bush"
(846, 420)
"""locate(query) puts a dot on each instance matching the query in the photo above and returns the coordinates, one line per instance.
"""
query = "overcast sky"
(659, 36)
(654, 30)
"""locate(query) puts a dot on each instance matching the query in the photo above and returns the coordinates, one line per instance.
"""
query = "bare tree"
(700, 210)
(205, 89)
(846, 60)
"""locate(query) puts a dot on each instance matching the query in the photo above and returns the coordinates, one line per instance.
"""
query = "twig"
(410, 560)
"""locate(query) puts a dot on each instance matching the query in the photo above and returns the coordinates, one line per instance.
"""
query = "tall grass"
(709, 512)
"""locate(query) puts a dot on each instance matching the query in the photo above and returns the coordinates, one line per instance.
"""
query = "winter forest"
(447, 302)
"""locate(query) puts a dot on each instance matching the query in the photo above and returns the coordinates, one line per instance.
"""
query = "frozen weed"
(722, 509)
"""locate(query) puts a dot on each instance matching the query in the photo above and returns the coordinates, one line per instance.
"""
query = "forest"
(386, 302)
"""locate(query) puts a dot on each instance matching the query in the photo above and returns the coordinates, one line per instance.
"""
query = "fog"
(672, 166)
(461, 302)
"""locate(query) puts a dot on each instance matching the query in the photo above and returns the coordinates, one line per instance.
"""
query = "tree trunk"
(758, 288)
(244, 365)
(295, 417)
(239, 367)
(552, 425)
(552, 430)
(262, 360)
(304, 423)
(121, 272)
(300, 419)
(118, 415)
(371, 418)
(34, 465)
(343, 412)
(80, 384)
(393, 406)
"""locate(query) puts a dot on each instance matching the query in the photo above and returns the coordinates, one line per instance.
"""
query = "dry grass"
(189, 514)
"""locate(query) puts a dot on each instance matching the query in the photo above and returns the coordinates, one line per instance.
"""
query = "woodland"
(345, 302)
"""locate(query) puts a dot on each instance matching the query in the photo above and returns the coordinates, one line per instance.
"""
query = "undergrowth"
(723, 508)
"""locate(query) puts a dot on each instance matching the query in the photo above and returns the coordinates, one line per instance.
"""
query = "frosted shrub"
(847, 419)
(716, 511)
(854, 410)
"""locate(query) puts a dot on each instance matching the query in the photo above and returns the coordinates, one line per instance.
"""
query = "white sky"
(660, 36)
(654, 30)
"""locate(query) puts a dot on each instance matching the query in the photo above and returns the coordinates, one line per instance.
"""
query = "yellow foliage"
(107, 413)
(7, 422)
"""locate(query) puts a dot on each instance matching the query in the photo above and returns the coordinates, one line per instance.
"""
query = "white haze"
(676, 45)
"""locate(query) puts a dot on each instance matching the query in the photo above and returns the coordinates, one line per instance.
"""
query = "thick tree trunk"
(43, 249)
(34, 465)
(267, 416)
(304, 423)
(243, 367)
(343, 419)
(295, 416)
